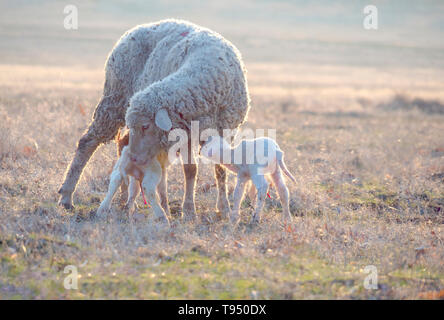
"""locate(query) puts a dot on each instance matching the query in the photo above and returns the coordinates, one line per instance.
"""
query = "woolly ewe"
(166, 74)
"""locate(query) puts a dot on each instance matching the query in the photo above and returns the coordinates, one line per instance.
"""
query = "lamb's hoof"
(101, 213)
(234, 219)
(123, 218)
(163, 220)
(256, 219)
(286, 219)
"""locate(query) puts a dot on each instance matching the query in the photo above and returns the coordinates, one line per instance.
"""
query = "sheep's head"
(145, 136)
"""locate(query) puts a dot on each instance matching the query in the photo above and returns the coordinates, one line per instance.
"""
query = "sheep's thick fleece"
(192, 72)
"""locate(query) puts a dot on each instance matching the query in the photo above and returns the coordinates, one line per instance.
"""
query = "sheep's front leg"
(188, 206)
(282, 190)
(252, 194)
(162, 191)
(115, 181)
(222, 203)
(149, 184)
(238, 196)
(261, 185)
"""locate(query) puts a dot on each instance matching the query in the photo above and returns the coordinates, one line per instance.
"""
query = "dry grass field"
(365, 142)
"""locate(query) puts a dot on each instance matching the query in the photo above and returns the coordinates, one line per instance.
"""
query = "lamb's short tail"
(280, 159)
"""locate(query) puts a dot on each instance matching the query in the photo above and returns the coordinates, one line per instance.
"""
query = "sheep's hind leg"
(103, 128)
(162, 191)
(222, 204)
(86, 147)
(252, 194)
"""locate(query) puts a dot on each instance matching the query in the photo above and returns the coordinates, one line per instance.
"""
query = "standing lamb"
(252, 160)
(169, 73)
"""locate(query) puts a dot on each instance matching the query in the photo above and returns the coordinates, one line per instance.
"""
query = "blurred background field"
(359, 113)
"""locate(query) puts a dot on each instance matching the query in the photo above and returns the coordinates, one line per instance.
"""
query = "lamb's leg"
(134, 190)
(122, 142)
(222, 204)
(103, 128)
(238, 196)
(124, 193)
(282, 190)
(149, 184)
(115, 181)
(162, 191)
(261, 185)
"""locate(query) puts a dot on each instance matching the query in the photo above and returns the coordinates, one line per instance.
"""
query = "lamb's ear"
(163, 121)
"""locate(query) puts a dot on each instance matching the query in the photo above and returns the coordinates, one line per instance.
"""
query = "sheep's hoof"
(256, 219)
(65, 200)
(66, 205)
(190, 216)
(223, 210)
(189, 211)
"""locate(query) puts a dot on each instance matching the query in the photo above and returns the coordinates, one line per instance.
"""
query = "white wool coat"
(192, 72)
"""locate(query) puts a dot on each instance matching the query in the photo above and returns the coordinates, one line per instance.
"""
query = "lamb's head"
(146, 129)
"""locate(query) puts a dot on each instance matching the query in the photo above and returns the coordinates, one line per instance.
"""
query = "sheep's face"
(144, 143)
(144, 139)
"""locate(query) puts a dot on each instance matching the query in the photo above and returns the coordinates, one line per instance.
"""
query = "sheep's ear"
(163, 121)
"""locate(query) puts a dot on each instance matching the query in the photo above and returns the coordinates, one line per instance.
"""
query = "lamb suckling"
(163, 76)
(252, 160)
(150, 176)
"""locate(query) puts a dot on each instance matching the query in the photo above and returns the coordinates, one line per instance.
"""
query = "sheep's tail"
(280, 159)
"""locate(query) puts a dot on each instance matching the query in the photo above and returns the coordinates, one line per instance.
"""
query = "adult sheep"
(169, 73)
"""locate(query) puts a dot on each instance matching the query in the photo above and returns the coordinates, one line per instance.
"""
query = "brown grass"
(369, 192)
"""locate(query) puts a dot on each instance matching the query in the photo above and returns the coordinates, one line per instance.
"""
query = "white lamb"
(151, 174)
(252, 160)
